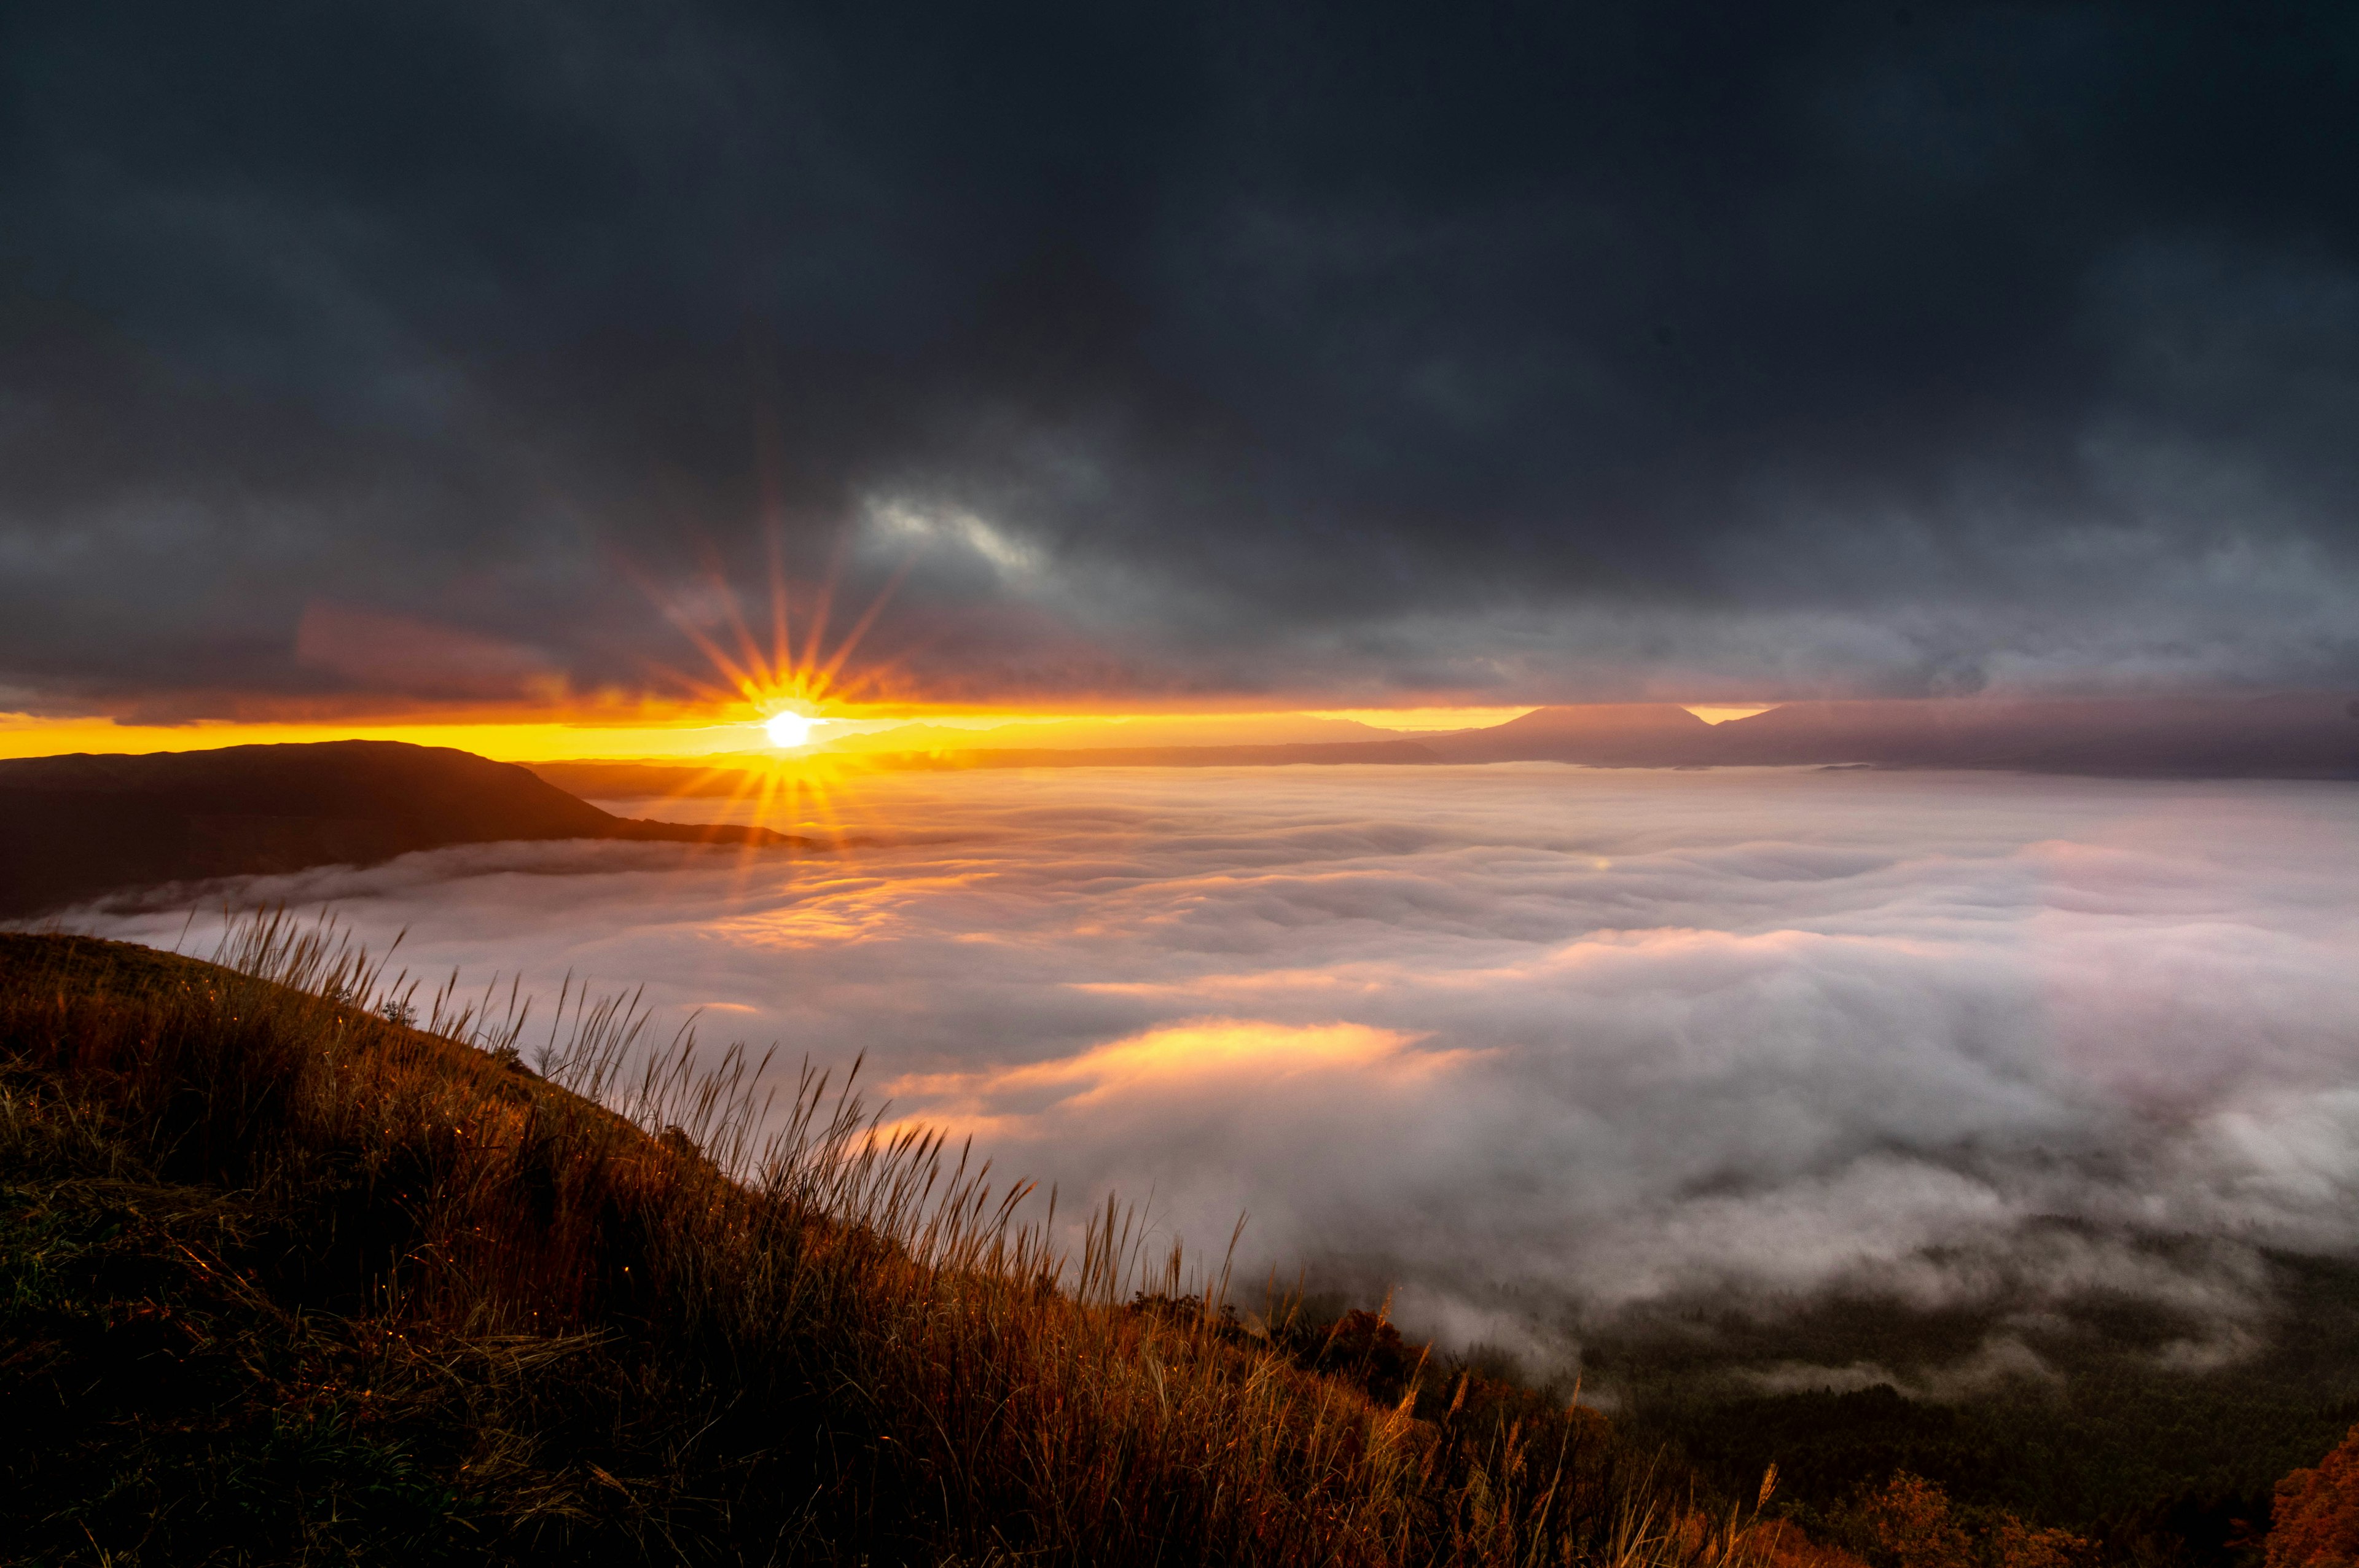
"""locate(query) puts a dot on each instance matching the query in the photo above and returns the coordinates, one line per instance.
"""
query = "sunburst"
(786, 689)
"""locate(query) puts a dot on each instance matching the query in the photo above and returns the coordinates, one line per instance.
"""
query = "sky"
(1538, 1045)
(378, 363)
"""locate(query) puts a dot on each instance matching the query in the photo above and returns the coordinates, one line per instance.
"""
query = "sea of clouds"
(1539, 1045)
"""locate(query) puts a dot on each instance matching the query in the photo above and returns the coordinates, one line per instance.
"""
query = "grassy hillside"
(283, 1281)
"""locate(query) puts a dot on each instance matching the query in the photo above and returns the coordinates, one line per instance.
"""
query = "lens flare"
(789, 687)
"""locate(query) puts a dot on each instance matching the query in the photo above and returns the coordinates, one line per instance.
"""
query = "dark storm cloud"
(1550, 352)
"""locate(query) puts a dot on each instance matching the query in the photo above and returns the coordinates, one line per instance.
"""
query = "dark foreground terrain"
(2105, 1435)
(282, 1280)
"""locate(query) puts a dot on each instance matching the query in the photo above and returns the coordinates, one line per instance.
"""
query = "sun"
(787, 729)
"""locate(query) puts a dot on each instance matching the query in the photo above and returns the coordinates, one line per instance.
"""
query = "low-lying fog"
(1541, 1044)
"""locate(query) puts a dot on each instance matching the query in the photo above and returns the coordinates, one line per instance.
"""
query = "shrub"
(2314, 1522)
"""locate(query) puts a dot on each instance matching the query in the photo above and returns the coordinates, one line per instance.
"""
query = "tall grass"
(658, 1313)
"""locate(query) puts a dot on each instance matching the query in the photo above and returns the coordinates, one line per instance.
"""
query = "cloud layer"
(1539, 1044)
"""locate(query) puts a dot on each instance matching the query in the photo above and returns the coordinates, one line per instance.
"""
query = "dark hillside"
(281, 1282)
(76, 827)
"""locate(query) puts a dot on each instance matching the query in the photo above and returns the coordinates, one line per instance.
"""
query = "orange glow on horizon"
(1417, 720)
(685, 732)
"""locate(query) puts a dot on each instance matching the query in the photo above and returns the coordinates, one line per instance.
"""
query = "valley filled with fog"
(1540, 1046)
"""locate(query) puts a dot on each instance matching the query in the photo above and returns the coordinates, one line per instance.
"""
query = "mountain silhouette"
(75, 827)
(1605, 734)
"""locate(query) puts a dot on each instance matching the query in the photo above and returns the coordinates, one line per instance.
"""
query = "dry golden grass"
(628, 1311)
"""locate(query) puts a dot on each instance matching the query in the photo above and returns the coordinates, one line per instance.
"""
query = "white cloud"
(1531, 1041)
(909, 523)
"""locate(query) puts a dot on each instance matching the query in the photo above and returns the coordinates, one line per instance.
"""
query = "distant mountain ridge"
(2307, 735)
(2303, 735)
(1605, 734)
(1151, 732)
(76, 827)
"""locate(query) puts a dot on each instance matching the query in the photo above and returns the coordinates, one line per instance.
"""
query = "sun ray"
(748, 651)
(730, 670)
(860, 628)
(781, 648)
(793, 790)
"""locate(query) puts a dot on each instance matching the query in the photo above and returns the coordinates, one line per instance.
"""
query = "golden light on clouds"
(1210, 1053)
